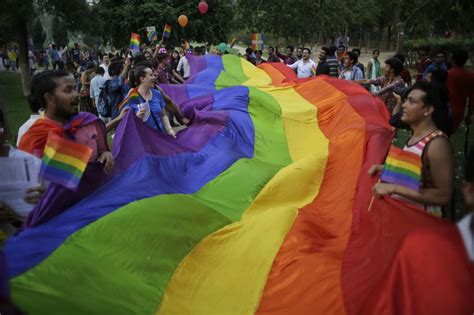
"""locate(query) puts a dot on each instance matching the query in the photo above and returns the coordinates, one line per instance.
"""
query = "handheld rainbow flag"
(64, 161)
(313, 70)
(257, 41)
(232, 42)
(135, 42)
(151, 35)
(167, 31)
(131, 96)
(402, 168)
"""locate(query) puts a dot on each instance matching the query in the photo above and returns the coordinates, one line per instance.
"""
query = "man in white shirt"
(105, 65)
(27, 125)
(305, 67)
(183, 65)
(97, 83)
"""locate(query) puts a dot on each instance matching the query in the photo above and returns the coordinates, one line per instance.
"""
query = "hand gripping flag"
(402, 168)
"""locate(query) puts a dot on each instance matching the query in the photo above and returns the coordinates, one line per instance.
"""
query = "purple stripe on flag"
(59, 176)
(400, 179)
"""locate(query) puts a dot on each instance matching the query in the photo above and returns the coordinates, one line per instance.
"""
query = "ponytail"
(135, 75)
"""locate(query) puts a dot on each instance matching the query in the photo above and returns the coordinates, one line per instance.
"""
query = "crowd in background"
(103, 83)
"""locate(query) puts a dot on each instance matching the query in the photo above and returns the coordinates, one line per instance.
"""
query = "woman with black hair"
(173, 68)
(405, 74)
(426, 114)
(388, 83)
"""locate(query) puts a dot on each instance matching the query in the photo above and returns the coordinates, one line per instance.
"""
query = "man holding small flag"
(64, 138)
(423, 172)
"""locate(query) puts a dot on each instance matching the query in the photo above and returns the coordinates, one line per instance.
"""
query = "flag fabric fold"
(259, 206)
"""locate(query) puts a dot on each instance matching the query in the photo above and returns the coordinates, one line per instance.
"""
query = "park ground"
(17, 112)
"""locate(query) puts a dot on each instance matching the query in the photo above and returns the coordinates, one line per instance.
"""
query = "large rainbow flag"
(260, 206)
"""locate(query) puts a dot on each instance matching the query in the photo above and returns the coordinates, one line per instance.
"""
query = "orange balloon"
(183, 20)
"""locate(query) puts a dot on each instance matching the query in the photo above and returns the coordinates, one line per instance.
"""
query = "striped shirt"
(333, 66)
(418, 148)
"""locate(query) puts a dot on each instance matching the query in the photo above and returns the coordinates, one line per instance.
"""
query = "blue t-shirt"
(153, 116)
(432, 67)
(54, 55)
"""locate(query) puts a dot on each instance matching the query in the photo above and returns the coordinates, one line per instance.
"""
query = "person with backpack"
(117, 89)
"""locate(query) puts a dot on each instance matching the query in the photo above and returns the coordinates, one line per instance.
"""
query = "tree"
(16, 15)
(38, 34)
(120, 18)
(60, 32)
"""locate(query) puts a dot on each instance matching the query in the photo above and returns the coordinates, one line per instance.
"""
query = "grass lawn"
(15, 104)
(17, 112)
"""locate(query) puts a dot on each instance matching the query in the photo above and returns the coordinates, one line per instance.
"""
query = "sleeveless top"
(425, 180)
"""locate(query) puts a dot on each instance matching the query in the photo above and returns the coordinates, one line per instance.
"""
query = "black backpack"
(104, 107)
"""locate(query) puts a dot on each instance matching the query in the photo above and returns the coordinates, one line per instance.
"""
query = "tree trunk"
(396, 21)
(21, 37)
(389, 38)
(400, 37)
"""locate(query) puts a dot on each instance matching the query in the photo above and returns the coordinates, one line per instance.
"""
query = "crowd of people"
(94, 90)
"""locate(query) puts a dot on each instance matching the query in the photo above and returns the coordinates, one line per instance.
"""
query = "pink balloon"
(203, 7)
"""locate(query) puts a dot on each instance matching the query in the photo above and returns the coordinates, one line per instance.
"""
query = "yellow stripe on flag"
(257, 77)
(235, 261)
(66, 159)
(402, 164)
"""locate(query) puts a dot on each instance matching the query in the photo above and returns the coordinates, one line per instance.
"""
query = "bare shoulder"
(440, 149)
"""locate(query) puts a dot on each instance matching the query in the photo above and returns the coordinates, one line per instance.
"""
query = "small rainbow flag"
(167, 31)
(64, 161)
(313, 70)
(232, 42)
(257, 41)
(131, 96)
(402, 168)
(152, 37)
(185, 44)
(135, 42)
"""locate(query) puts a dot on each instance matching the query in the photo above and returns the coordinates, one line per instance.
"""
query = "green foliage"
(11, 11)
(120, 18)
(75, 15)
(446, 44)
(60, 32)
(304, 21)
(37, 34)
